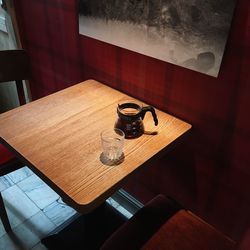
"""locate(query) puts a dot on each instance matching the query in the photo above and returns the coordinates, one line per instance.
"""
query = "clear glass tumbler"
(112, 144)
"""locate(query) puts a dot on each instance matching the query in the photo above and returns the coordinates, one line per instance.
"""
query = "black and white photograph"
(191, 34)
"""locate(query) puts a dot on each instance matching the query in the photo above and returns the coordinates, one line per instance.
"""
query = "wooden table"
(58, 137)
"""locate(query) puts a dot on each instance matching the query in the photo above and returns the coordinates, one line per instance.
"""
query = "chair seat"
(186, 231)
(5, 155)
(137, 230)
(163, 225)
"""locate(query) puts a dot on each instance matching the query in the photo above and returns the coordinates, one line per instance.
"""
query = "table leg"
(88, 231)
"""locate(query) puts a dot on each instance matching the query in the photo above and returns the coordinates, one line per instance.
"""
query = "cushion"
(5, 155)
(136, 231)
(187, 231)
(244, 244)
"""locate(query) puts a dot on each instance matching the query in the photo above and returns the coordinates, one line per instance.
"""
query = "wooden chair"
(14, 66)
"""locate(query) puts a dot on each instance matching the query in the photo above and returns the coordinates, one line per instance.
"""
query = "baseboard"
(127, 201)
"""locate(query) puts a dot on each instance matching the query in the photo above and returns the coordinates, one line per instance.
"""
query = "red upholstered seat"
(160, 225)
(244, 244)
(5, 155)
(138, 229)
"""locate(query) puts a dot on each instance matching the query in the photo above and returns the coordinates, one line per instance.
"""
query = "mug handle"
(152, 110)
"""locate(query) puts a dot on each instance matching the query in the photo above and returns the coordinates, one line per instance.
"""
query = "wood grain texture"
(58, 136)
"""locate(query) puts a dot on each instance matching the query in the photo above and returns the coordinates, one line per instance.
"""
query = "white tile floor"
(34, 210)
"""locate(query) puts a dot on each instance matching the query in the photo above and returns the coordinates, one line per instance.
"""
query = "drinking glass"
(112, 144)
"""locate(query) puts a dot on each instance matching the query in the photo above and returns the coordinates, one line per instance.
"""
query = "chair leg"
(4, 216)
(20, 92)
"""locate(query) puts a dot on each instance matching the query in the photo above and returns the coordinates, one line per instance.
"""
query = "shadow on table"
(109, 162)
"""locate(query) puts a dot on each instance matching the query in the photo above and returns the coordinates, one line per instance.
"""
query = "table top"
(58, 137)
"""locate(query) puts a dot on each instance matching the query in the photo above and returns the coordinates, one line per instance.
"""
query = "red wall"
(210, 172)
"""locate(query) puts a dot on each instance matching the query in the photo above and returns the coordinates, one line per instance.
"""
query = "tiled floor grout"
(32, 218)
(7, 242)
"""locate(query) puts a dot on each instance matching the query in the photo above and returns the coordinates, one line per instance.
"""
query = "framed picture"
(191, 34)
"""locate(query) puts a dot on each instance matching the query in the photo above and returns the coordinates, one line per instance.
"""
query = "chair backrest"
(163, 224)
(15, 66)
